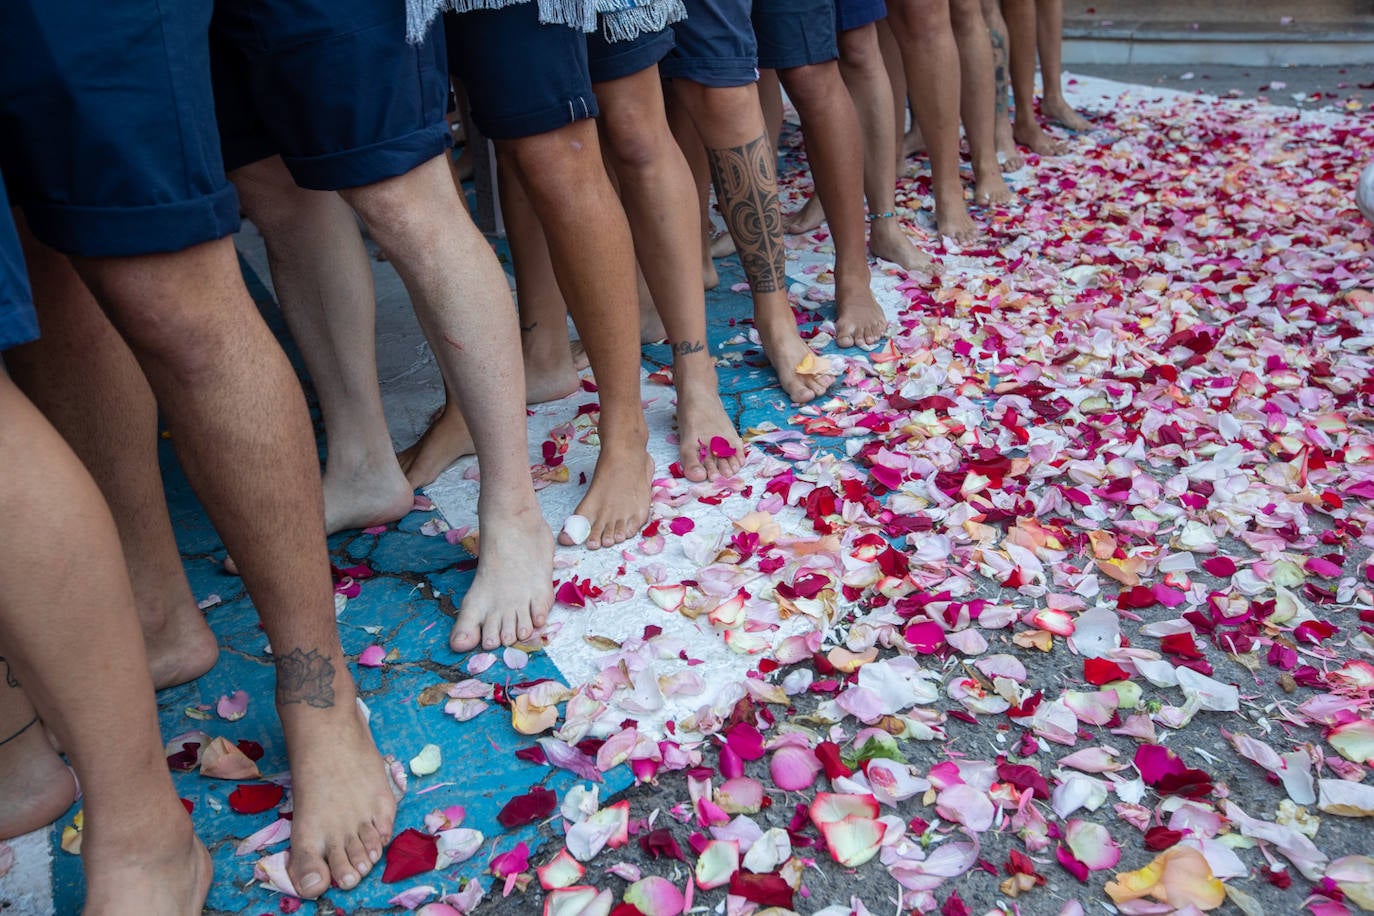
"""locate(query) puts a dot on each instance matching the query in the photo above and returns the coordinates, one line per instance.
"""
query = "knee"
(398, 210)
(269, 195)
(561, 161)
(813, 88)
(636, 141)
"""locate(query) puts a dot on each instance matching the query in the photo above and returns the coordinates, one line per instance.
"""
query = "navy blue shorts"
(715, 45)
(855, 14)
(332, 86)
(17, 322)
(108, 140)
(613, 60)
(523, 77)
(795, 33)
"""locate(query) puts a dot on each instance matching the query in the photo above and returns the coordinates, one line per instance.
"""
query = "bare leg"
(744, 170)
(896, 81)
(243, 436)
(977, 103)
(835, 151)
(865, 76)
(463, 164)
(323, 281)
(590, 247)
(35, 785)
(930, 55)
(463, 304)
(1007, 152)
(81, 375)
(694, 150)
(1049, 41)
(656, 188)
(68, 632)
(550, 373)
(1021, 28)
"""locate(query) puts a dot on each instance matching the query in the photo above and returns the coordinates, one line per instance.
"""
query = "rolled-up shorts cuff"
(855, 14)
(116, 232)
(795, 34)
(358, 167)
(714, 72)
(613, 60)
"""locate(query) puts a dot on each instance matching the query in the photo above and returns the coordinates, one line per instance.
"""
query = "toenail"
(311, 881)
(374, 855)
(347, 881)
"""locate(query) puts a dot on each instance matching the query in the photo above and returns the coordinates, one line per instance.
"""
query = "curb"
(1152, 43)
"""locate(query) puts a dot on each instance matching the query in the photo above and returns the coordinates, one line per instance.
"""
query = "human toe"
(341, 867)
(308, 872)
(357, 855)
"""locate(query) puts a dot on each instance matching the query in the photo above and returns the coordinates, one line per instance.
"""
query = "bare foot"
(912, 143)
(710, 277)
(617, 502)
(36, 787)
(990, 189)
(512, 592)
(651, 328)
(953, 220)
(805, 219)
(701, 417)
(1007, 153)
(1062, 113)
(551, 365)
(887, 241)
(446, 440)
(722, 245)
(162, 872)
(787, 352)
(343, 809)
(181, 648)
(1029, 134)
(859, 320)
(360, 496)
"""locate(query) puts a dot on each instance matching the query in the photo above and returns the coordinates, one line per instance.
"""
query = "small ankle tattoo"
(31, 723)
(688, 347)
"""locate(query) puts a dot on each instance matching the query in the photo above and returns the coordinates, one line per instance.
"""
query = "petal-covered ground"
(1063, 598)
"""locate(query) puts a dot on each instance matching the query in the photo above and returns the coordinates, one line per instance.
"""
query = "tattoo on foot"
(688, 347)
(305, 677)
(747, 186)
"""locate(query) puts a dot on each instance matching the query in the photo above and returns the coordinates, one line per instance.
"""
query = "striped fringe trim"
(576, 14)
(655, 16)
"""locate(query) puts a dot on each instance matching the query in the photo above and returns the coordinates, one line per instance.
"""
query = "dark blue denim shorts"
(331, 86)
(715, 45)
(854, 14)
(17, 322)
(613, 60)
(523, 77)
(795, 33)
(108, 142)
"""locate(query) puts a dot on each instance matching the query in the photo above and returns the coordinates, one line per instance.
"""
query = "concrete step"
(1254, 33)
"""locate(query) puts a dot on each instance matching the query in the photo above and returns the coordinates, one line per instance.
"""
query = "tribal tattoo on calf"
(305, 677)
(747, 188)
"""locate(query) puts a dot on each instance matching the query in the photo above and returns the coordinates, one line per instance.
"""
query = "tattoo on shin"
(687, 347)
(999, 60)
(747, 187)
(305, 677)
(10, 680)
